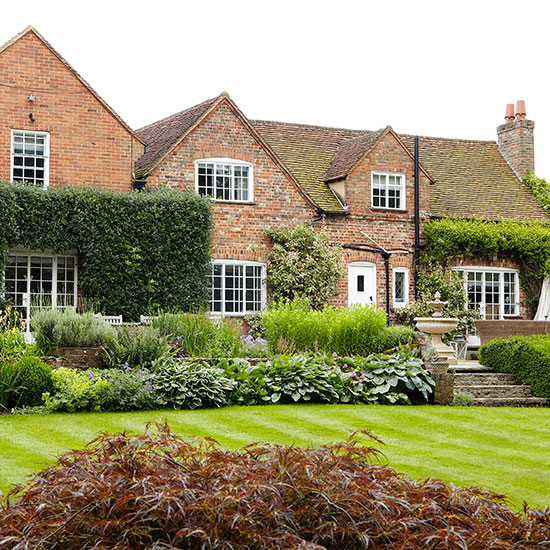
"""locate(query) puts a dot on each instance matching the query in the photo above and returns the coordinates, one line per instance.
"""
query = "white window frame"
(46, 156)
(405, 271)
(244, 264)
(28, 254)
(232, 163)
(501, 270)
(402, 187)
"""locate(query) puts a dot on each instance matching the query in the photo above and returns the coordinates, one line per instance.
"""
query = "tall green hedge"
(135, 250)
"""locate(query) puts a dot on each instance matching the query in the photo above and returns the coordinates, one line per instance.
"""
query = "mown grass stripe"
(504, 449)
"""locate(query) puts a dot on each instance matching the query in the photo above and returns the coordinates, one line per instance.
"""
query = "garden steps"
(493, 389)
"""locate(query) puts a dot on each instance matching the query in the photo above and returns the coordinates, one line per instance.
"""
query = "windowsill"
(379, 209)
(221, 201)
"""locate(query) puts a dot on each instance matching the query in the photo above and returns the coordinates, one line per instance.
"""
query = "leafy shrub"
(392, 378)
(200, 335)
(462, 399)
(9, 384)
(526, 357)
(394, 337)
(136, 347)
(129, 389)
(319, 378)
(53, 327)
(75, 390)
(183, 385)
(294, 327)
(34, 379)
(171, 493)
(303, 264)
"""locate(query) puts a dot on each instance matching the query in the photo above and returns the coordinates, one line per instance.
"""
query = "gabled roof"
(162, 136)
(110, 110)
(471, 178)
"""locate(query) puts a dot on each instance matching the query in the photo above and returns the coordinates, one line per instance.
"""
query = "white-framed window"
(400, 286)
(237, 287)
(34, 279)
(30, 152)
(388, 191)
(225, 179)
(492, 291)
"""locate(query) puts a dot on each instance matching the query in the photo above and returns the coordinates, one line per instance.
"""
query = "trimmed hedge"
(137, 251)
(526, 357)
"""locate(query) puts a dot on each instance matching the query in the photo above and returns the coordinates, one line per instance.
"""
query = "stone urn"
(436, 326)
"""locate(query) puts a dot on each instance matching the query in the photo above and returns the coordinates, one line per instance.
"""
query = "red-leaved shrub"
(157, 491)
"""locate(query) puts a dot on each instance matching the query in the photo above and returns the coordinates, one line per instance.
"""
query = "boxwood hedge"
(526, 357)
(135, 250)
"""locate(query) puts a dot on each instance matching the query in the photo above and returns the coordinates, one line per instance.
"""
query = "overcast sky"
(432, 68)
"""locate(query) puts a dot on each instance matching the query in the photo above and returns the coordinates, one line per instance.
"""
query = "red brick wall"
(88, 146)
(239, 228)
(390, 229)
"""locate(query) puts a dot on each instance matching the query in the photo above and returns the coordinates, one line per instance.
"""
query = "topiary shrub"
(158, 490)
(526, 357)
(34, 379)
(302, 263)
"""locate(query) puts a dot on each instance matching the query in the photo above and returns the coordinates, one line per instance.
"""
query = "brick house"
(359, 186)
(55, 130)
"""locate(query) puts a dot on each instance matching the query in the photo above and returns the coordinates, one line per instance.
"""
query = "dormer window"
(224, 179)
(30, 157)
(388, 191)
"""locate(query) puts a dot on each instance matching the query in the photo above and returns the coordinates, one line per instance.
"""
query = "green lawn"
(503, 449)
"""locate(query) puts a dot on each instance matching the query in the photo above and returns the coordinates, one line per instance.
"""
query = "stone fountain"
(437, 325)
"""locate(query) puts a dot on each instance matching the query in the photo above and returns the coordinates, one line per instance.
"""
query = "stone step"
(470, 366)
(510, 402)
(502, 391)
(483, 378)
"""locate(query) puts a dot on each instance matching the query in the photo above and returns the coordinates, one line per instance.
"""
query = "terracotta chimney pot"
(520, 109)
(509, 116)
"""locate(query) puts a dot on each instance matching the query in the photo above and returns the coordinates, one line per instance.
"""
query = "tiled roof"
(162, 135)
(308, 152)
(350, 153)
(471, 178)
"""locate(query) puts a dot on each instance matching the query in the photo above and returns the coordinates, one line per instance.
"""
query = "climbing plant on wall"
(302, 263)
(135, 250)
(526, 243)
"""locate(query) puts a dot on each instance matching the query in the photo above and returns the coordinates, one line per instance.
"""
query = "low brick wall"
(490, 330)
(77, 358)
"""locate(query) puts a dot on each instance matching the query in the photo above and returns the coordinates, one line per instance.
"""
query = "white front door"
(361, 283)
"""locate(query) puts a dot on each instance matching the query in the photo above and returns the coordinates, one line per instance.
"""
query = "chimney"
(516, 140)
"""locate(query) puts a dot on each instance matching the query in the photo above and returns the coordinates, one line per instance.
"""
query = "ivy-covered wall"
(137, 251)
(526, 243)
